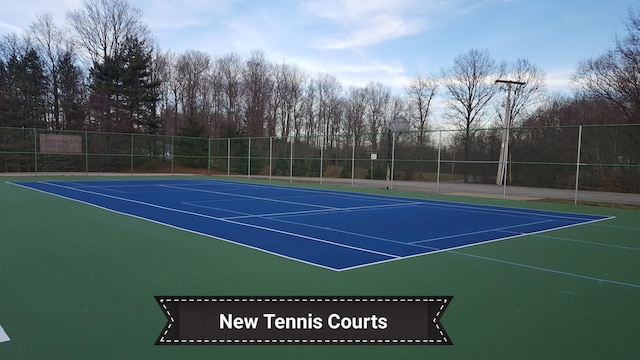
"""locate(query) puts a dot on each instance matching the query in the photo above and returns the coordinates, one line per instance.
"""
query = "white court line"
(547, 270)
(589, 242)
(327, 211)
(531, 267)
(620, 227)
(250, 197)
(320, 192)
(482, 232)
(218, 219)
(347, 232)
(178, 228)
(105, 188)
(321, 227)
(3, 335)
(393, 257)
(188, 203)
(429, 202)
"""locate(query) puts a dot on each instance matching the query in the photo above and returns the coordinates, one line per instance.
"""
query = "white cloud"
(560, 80)
(7, 28)
(346, 12)
(356, 73)
(365, 23)
(371, 68)
(173, 15)
(378, 29)
(18, 16)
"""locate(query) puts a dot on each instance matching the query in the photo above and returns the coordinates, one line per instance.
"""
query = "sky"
(386, 41)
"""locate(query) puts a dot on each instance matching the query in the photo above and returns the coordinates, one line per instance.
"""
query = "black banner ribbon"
(328, 320)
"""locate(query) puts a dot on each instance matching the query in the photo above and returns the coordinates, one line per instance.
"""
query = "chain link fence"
(602, 158)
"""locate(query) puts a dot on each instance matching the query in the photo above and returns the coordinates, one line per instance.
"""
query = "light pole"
(501, 177)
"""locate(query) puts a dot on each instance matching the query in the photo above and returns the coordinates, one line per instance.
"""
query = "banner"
(328, 320)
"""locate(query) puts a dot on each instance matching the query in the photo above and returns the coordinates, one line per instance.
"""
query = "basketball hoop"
(399, 125)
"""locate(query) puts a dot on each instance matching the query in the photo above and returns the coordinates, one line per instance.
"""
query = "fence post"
(249, 161)
(322, 157)
(35, 152)
(291, 162)
(270, 157)
(575, 200)
(131, 154)
(86, 153)
(393, 157)
(209, 157)
(173, 154)
(228, 157)
(353, 160)
(439, 160)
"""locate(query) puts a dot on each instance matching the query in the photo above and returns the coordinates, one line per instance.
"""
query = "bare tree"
(192, 69)
(419, 93)
(615, 75)
(470, 86)
(289, 87)
(523, 97)
(258, 86)
(102, 25)
(306, 124)
(162, 71)
(12, 45)
(356, 106)
(328, 92)
(230, 67)
(378, 97)
(215, 94)
(397, 108)
(51, 45)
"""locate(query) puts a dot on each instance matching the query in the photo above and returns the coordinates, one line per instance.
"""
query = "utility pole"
(501, 178)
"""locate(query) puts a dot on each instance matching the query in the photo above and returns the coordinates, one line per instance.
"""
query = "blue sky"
(386, 41)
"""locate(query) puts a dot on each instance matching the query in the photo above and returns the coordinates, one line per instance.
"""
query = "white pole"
(86, 154)
(291, 162)
(35, 151)
(321, 159)
(173, 154)
(506, 154)
(228, 157)
(270, 156)
(131, 154)
(249, 161)
(575, 201)
(353, 160)
(393, 157)
(439, 159)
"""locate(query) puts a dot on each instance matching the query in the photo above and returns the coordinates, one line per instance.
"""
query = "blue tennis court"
(337, 230)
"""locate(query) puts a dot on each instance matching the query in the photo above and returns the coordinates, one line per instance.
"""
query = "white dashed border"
(443, 339)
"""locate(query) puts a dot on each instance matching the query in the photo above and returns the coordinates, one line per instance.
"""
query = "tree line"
(103, 71)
